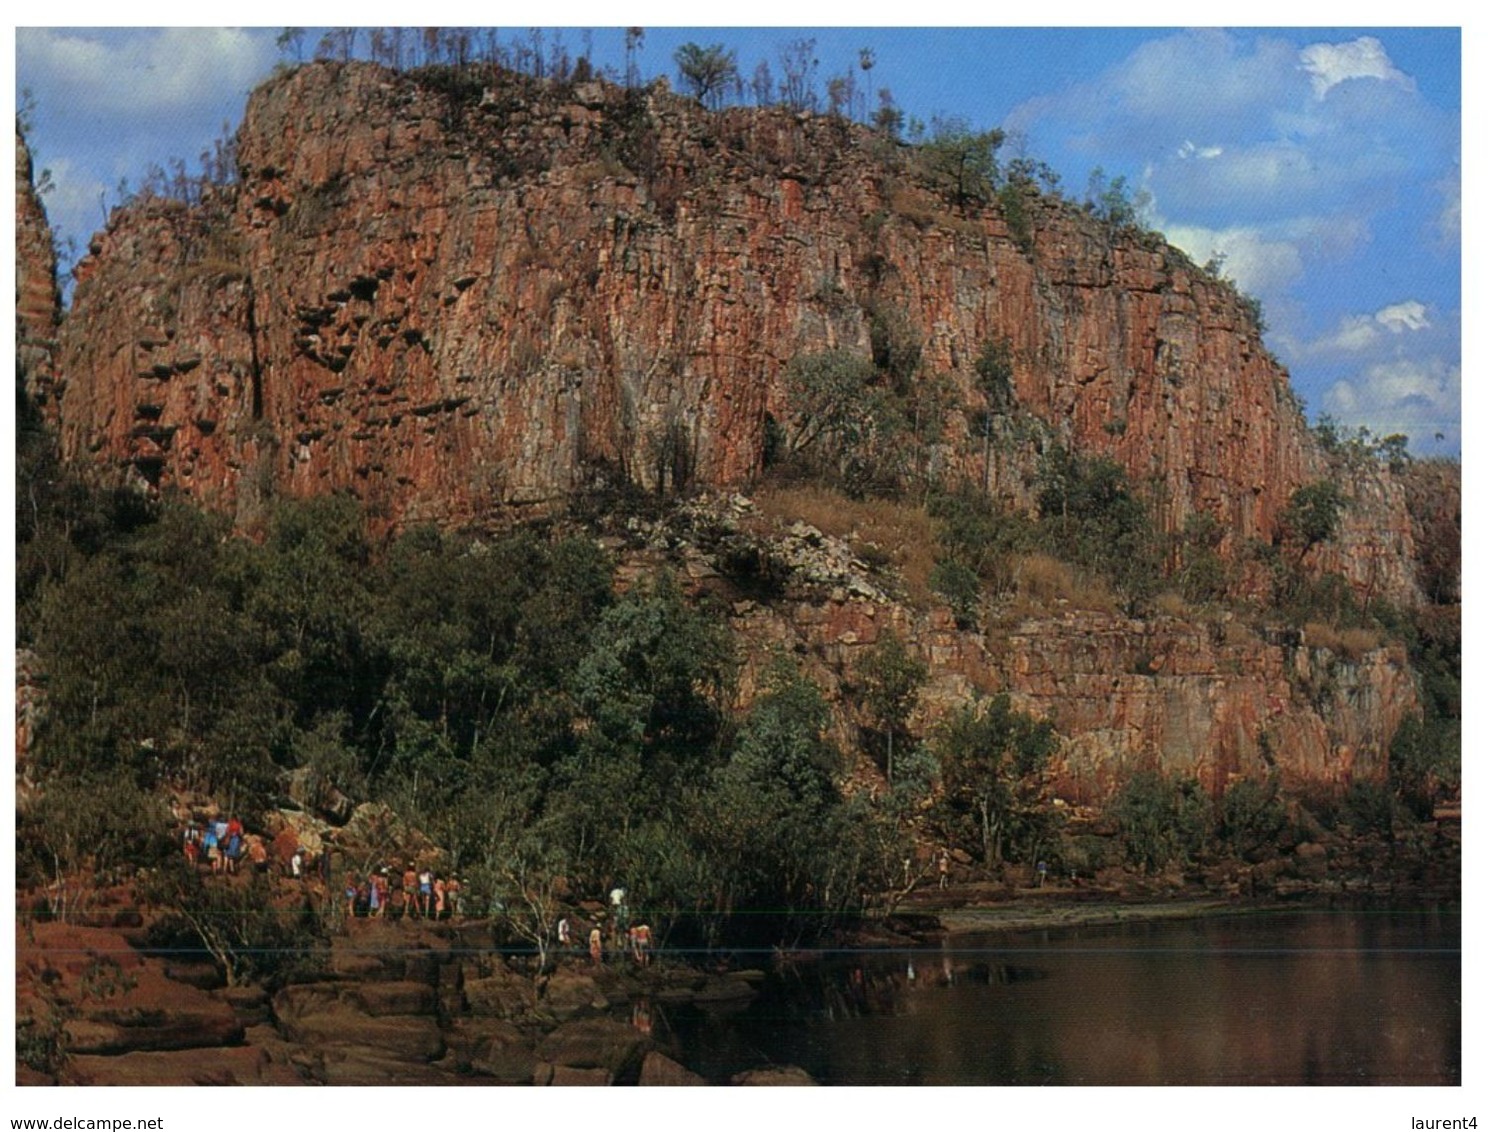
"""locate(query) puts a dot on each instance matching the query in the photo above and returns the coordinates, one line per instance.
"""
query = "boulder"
(596, 1043)
(774, 1075)
(659, 1069)
(724, 989)
(1311, 861)
(570, 994)
(500, 995)
(491, 1047)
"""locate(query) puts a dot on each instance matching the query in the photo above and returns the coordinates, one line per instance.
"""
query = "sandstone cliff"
(459, 297)
(1205, 697)
(38, 305)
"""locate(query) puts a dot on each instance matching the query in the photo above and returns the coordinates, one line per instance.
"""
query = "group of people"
(624, 936)
(222, 844)
(418, 893)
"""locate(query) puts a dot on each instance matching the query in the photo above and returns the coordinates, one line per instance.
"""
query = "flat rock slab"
(567, 1075)
(241, 1065)
(352, 1065)
(400, 1038)
(404, 997)
(144, 1031)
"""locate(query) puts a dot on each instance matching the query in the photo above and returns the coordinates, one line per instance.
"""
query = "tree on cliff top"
(707, 73)
(962, 161)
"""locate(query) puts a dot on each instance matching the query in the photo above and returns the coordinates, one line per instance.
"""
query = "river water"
(1316, 997)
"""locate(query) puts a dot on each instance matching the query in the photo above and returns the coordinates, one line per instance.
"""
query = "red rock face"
(37, 301)
(454, 304)
(1214, 703)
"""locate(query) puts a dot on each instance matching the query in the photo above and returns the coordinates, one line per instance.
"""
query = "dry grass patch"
(882, 532)
(1170, 604)
(1045, 581)
(1351, 644)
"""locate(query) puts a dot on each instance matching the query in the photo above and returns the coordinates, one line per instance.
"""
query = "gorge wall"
(38, 303)
(463, 300)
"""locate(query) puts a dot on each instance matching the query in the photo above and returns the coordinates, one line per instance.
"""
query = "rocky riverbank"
(390, 1003)
(1414, 865)
(387, 1002)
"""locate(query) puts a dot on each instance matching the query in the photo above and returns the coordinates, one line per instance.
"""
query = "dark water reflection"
(1324, 997)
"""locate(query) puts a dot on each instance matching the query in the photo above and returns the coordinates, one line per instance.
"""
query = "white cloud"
(1204, 153)
(1420, 398)
(1255, 262)
(1266, 259)
(1355, 332)
(1329, 64)
(1401, 317)
(1449, 219)
(118, 74)
(1358, 333)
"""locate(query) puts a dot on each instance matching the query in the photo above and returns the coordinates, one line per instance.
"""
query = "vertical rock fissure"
(255, 368)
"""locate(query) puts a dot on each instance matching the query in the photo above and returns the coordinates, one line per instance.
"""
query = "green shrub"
(895, 341)
(1370, 807)
(1251, 815)
(1162, 820)
(1089, 515)
(960, 587)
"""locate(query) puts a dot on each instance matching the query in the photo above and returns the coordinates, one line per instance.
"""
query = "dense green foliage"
(989, 756)
(1089, 515)
(1162, 820)
(890, 678)
(548, 733)
(1311, 516)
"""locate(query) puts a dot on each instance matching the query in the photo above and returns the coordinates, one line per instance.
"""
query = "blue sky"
(1323, 164)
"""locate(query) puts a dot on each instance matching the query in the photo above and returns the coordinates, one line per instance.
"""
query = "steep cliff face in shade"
(463, 300)
(38, 304)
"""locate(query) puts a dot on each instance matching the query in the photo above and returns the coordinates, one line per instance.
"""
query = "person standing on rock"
(596, 946)
(297, 864)
(640, 936)
(214, 853)
(410, 891)
(440, 891)
(618, 910)
(454, 899)
(565, 940)
(425, 892)
(945, 868)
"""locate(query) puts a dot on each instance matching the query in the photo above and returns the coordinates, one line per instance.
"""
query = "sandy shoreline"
(1017, 916)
